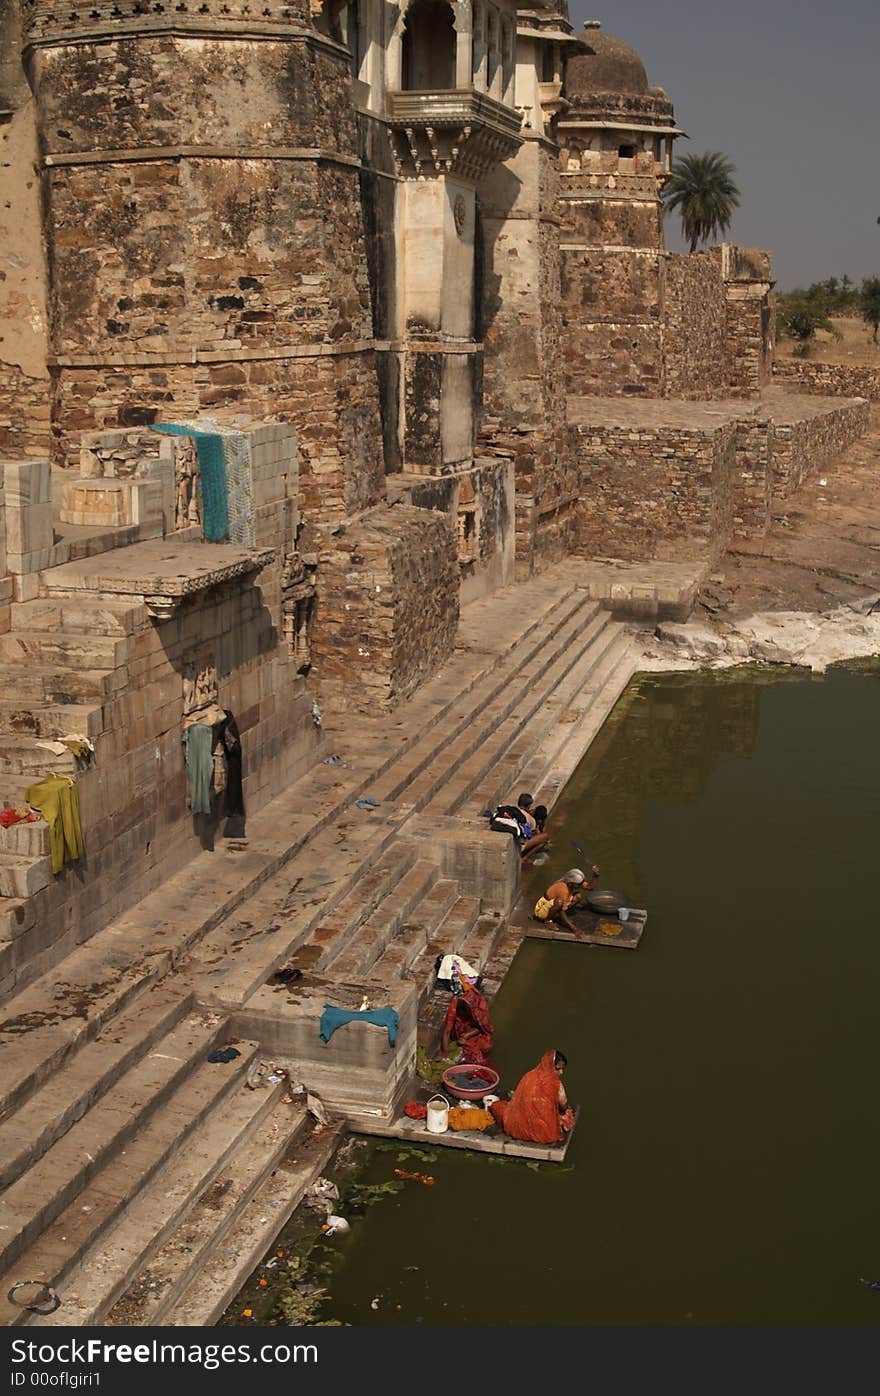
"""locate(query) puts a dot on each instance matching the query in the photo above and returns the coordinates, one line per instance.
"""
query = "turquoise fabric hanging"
(212, 470)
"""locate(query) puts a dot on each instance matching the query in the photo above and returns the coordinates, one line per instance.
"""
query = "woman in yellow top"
(560, 897)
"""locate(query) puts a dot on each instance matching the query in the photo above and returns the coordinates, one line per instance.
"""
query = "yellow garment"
(543, 908)
(57, 800)
(460, 1118)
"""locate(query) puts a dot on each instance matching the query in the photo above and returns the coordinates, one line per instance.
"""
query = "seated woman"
(537, 1111)
(468, 1023)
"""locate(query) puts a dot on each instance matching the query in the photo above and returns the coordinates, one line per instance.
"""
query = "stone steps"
(212, 1284)
(493, 726)
(379, 929)
(493, 770)
(561, 752)
(36, 719)
(332, 936)
(22, 876)
(453, 735)
(94, 1142)
(514, 769)
(156, 1134)
(55, 686)
(411, 943)
(63, 649)
(77, 1084)
(232, 1154)
(78, 615)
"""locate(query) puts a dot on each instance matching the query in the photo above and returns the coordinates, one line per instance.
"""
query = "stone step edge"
(206, 1298)
(518, 767)
(117, 1127)
(524, 718)
(202, 1103)
(164, 1206)
(169, 1011)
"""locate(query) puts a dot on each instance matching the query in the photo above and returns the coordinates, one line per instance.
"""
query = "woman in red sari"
(538, 1109)
(468, 1023)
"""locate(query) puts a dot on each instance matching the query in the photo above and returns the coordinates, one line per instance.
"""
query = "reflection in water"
(724, 1168)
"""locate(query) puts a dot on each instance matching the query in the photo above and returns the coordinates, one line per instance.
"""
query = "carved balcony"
(458, 132)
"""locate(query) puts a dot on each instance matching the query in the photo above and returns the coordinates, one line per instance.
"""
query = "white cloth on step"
(452, 962)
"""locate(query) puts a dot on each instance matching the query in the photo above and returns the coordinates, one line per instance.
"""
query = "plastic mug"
(623, 913)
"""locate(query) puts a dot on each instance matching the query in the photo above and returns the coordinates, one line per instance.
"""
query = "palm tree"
(702, 189)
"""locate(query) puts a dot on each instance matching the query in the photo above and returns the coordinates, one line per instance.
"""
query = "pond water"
(725, 1167)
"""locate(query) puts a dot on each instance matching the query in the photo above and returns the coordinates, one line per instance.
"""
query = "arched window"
(429, 47)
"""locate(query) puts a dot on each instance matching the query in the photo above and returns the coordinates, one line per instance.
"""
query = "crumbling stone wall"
(387, 609)
(754, 476)
(694, 328)
(849, 380)
(805, 445)
(648, 490)
(523, 387)
(24, 379)
(208, 248)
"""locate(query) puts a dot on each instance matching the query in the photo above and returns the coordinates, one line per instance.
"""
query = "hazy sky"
(789, 90)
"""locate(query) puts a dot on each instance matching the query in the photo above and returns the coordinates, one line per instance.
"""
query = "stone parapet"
(46, 22)
(851, 380)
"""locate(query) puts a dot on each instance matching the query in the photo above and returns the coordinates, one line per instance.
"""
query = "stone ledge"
(162, 573)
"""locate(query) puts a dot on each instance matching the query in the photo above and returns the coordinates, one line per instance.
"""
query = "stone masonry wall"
(847, 380)
(264, 303)
(753, 498)
(694, 324)
(137, 828)
(524, 391)
(646, 490)
(24, 379)
(804, 446)
(387, 613)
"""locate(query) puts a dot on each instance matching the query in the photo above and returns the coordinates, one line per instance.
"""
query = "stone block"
(20, 877)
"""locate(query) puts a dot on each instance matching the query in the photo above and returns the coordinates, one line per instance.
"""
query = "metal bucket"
(438, 1115)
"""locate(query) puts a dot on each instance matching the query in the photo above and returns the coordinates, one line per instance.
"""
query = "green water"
(725, 1167)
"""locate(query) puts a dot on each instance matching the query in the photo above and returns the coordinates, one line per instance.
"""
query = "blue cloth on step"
(333, 1018)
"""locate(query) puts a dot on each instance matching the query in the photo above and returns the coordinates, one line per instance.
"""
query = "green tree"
(869, 303)
(801, 313)
(701, 189)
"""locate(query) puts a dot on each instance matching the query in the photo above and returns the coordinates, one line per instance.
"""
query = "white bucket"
(438, 1115)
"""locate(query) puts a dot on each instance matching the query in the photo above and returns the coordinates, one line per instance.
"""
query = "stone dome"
(610, 65)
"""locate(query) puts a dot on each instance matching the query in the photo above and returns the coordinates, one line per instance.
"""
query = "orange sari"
(533, 1112)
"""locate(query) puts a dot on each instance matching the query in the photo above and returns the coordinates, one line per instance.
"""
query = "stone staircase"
(61, 662)
(106, 1075)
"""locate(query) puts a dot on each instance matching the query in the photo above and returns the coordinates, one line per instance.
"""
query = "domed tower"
(616, 140)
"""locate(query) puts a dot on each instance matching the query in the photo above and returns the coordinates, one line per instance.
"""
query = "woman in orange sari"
(538, 1109)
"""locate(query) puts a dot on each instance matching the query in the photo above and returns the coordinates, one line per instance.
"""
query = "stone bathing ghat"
(431, 419)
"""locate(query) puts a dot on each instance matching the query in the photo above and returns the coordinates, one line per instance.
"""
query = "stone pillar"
(441, 379)
(27, 490)
(480, 55)
(464, 43)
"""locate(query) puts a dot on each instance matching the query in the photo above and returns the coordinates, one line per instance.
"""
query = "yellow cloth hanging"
(58, 802)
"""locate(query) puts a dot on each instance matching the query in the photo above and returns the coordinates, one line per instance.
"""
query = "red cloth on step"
(469, 1011)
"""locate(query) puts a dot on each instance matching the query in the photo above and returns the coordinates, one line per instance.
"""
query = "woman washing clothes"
(468, 1023)
(538, 1111)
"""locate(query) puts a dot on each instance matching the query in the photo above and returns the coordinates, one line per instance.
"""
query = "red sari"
(470, 1010)
(533, 1112)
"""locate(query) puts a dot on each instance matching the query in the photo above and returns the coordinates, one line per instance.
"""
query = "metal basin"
(605, 901)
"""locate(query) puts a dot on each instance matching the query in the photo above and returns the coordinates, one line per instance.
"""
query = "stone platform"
(628, 936)
(416, 1132)
(675, 481)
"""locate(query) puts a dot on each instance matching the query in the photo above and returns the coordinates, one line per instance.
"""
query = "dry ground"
(853, 347)
(822, 551)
